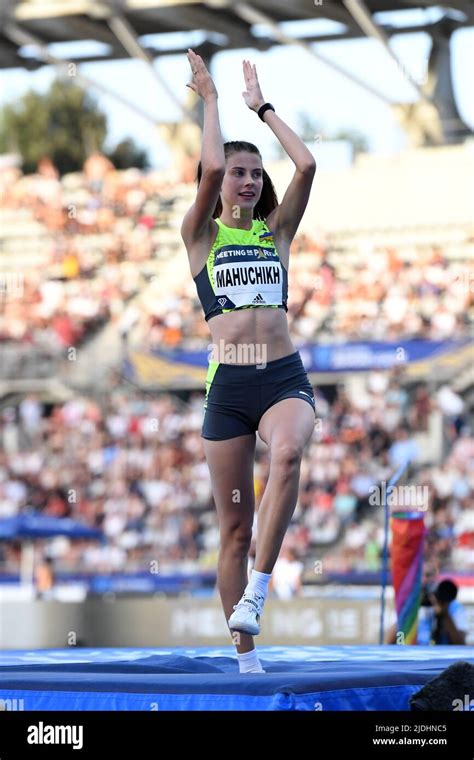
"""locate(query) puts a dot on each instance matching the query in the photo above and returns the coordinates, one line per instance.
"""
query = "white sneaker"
(246, 617)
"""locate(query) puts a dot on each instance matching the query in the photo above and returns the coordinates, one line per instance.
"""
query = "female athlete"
(238, 241)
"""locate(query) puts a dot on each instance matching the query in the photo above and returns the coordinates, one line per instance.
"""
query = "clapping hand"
(253, 95)
(202, 83)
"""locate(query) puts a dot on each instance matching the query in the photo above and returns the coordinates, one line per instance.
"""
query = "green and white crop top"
(243, 271)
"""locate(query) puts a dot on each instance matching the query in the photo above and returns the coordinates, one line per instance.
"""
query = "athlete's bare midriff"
(250, 336)
(245, 336)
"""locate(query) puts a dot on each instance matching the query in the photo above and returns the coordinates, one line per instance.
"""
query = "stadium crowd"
(382, 297)
(101, 228)
(95, 230)
(133, 464)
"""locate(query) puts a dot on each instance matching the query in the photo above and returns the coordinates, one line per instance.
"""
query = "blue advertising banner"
(375, 355)
(327, 358)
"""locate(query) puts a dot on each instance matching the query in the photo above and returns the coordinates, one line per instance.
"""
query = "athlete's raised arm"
(196, 221)
(287, 216)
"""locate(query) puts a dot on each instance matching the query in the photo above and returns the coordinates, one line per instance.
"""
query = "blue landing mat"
(299, 678)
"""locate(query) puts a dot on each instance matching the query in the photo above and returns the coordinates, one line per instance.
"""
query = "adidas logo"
(221, 301)
(258, 299)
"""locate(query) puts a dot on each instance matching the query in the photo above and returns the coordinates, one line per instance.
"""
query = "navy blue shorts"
(237, 396)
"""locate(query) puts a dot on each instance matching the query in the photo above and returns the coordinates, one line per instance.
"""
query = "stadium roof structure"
(72, 20)
(117, 29)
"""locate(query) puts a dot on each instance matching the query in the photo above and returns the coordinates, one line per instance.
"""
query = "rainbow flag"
(408, 533)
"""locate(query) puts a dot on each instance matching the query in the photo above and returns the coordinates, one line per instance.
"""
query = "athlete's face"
(243, 180)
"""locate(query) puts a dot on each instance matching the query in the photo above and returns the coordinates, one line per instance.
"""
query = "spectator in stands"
(443, 618)
(287, 575)
(44, 578)
(404, 449)
(96, 168)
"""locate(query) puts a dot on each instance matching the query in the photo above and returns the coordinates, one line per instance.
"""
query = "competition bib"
(248, 275)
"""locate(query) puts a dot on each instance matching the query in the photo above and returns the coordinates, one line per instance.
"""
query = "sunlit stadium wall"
(411, 189)
(189, 623)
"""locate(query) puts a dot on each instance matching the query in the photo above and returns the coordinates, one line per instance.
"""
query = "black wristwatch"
(262, 109)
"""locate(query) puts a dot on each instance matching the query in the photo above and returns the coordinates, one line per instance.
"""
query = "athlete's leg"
(231, 467)
(286, 428)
